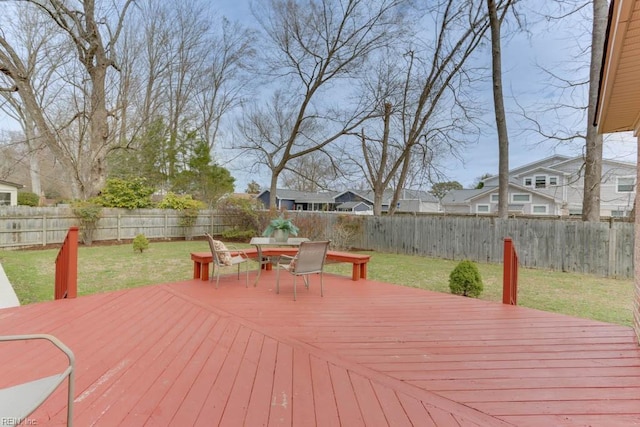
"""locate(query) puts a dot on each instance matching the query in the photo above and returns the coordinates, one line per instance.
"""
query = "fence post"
(66, 285)
(510, 274)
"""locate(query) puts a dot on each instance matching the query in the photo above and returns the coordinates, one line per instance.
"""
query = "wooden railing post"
(510, 274)
(66, 285)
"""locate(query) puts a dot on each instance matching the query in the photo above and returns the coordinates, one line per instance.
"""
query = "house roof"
(546, 162)
(405, 195)
(11, 184)
(618, 107)
(465, 196)
(462, 196)
(351, 205)
(330, 196)
(303, 196)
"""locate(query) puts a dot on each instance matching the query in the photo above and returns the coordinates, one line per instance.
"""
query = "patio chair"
(224, 256)
(19, 401)
(309, 260)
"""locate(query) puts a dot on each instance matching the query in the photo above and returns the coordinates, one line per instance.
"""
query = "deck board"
(368, 353)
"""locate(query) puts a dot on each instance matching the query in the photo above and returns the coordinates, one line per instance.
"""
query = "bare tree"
(313, 172)
(187, 70)
(495, 21)
(426, 101)
(315, 48)
(95, 55)
(575, 82)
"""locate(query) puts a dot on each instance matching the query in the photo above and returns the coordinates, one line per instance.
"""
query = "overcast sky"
(523, 81)
(525, 84)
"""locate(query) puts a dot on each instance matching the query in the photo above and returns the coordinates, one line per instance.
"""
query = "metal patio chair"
(19, 401)
(224, 256)
(309, 260)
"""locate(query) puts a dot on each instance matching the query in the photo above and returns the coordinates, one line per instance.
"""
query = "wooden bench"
(201, 260)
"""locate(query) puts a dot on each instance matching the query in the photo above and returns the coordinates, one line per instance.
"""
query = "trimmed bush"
(26, 198)
(133, 193)
(140, 243)
(465, 280)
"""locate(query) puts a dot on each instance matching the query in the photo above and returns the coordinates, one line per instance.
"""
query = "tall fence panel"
(602, 248)
(25, 226)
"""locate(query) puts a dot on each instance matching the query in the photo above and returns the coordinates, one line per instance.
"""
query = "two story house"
(551, 186)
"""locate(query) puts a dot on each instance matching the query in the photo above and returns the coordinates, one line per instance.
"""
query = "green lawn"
(106, 268)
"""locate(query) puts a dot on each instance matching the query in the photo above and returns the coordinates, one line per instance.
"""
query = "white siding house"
(551, 186)
(9, 193)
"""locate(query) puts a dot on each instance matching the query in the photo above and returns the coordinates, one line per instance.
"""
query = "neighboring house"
(551, 186)
(300, 200)
(9, 193)
(349, 201)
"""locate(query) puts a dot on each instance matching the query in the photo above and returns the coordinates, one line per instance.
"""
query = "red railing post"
(510, 274)
(67, 267)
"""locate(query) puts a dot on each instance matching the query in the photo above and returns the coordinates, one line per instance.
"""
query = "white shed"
(9, 193)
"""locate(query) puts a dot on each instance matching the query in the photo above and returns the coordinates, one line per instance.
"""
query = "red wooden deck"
(368, 353)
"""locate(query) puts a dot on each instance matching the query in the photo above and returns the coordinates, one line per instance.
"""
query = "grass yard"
(107, 268)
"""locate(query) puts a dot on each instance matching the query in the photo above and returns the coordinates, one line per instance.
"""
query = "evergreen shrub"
(140, 243)
(465, 280)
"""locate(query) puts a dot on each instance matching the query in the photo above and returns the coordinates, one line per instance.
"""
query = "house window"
(495, 198)
(618, 214)
(528, 182)
(482, 208)
(625, 185)
(521, 198)
(541, 181)
(5, 199)
(553, 180)
(539, 209)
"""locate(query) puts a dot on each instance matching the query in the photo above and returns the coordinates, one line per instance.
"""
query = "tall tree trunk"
(273, 188)
(593, 149)
(501, 119)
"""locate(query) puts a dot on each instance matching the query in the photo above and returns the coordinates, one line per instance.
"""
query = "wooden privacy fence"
(25, 226)
(604, 249)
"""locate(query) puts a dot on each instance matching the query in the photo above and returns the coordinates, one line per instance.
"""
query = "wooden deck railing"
(67, 266)
(510, 274)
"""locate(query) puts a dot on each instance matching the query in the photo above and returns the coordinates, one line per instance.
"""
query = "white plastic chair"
(19, 401)
(309, 260)
(219, 256)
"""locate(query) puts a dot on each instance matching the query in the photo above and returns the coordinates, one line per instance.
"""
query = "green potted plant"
(280, 228)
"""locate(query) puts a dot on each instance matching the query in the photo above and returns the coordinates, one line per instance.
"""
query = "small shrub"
(189, 210)
(238, 235)
(241, 214)
(345, 231)
(465, 280)
(26, 198)
(312, 226)
(180, 202)
(88, 213)
(140, 243)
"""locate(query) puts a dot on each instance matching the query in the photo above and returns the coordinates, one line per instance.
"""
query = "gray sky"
(525, 84)
(523, 80)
